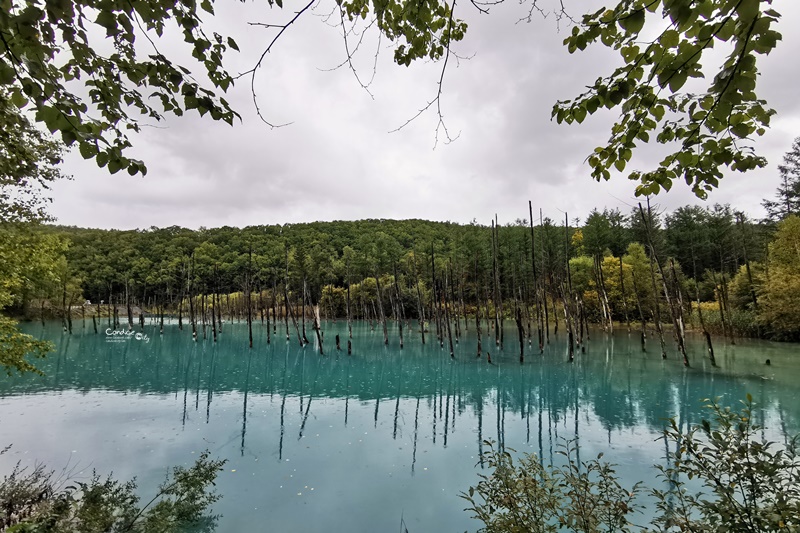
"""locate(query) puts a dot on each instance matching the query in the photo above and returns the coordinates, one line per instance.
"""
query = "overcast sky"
(338, 161)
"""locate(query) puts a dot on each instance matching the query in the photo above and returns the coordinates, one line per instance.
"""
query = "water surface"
(359, 443)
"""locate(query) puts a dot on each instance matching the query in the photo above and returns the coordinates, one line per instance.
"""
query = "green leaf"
(669, 39)
(106, 19)
(7, 73)
(634, 22)
(677, 81)
(747, 10)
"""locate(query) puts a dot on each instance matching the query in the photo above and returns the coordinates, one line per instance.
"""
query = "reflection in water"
(396, 431)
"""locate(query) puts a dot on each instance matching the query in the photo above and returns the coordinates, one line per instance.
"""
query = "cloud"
(337, 159)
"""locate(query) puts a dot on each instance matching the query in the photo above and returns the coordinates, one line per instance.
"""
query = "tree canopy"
(54, 61)
(787, 197)
(707, 128)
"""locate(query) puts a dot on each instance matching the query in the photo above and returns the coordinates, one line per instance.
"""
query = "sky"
(338, 158)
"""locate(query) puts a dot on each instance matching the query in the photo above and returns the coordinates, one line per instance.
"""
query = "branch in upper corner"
(349, 58)
(441, 125)
(560, 13)
(252, 71)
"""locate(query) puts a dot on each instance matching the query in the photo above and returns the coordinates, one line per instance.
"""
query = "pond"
(366, 442)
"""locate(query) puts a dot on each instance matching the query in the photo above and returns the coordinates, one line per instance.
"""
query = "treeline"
(709, 267)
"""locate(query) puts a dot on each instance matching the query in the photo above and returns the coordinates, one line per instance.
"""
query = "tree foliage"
(29, 164)
(781, 289)
(53, 62)
(28, 260)
(787, 197)
(708, 128)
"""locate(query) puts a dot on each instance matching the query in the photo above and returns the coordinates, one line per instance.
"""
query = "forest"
(709, 268)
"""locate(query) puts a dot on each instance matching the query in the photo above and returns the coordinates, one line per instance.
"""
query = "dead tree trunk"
(420, 305)
(641, 312)
(303, 317)
(347, 303)
(478, 308)
(128, 304)
(521, 332)
(380, 310)
(447, 318)
(622, 289)
(496, 289)
(249, 292)
(315, 310)
(399, 307)
(290, 314)
(535, 281)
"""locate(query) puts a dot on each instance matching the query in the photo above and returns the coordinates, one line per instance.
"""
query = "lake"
(370, 441)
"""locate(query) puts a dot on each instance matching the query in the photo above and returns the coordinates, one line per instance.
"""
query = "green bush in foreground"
(722, 477)
(35, 502)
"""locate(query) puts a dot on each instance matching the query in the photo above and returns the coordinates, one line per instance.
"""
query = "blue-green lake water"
(360, 443)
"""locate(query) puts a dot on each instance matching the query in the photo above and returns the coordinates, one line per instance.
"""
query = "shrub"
(743, 484)
(33, 501)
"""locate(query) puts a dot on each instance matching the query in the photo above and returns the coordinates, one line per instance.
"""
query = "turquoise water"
(362, 442)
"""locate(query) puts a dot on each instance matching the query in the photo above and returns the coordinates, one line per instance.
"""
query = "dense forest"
(711, 268)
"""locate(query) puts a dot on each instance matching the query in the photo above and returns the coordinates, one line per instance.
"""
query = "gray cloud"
(337, 160)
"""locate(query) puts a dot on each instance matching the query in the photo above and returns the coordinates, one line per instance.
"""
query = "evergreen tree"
(787, 197)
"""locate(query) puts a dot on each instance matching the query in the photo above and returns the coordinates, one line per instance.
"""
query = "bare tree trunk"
(569, 316)
(248, 289)
(654, 259)
(602, 284)
(478, 308)
(380, 310)
(214, 314)
(447, 318)
(521, 332)
(498, 281)
(291, 315)
(420, 305)
(189, 286)
(641, 313)
(349, 312)
(536, 294)
(315, 310)
(204, 303)
(128, 304)
(437, 314)
(622, 288)
(399, 304)
(303, 319)
(496, 289)
(454, 301)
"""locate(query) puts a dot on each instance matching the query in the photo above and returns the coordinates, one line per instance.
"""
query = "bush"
(745, 484)
(35, 502)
